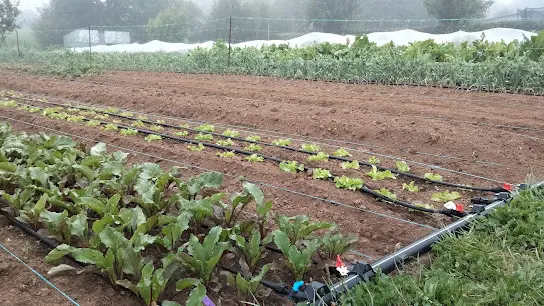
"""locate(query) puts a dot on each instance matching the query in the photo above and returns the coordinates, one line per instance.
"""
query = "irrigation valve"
(341, 267)
(453, 206)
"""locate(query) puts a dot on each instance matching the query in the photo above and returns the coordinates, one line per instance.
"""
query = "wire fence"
(243, 29)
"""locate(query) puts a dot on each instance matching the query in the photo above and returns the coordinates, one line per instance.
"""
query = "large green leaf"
(205, 180)
(86, 171)
(132, 217)
(112, 239)
(58, 252)
(99, 149)
(144, 285)
(39, 175)
(141, 241)
(150, 171)
(196, 296)
(78, 226)
(89, 256)
(146, 190)
(93, 204)
(8, 167)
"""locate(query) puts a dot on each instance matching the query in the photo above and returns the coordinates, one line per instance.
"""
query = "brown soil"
(395, 120)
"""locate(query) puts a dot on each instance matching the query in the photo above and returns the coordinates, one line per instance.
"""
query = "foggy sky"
(500, 8)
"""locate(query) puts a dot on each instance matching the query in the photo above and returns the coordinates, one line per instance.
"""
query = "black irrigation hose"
(364, 190)
(395, 171)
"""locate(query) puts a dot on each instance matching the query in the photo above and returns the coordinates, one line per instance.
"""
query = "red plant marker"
(507, 187)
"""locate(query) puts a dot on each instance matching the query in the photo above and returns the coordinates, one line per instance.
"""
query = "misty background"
(48, 22)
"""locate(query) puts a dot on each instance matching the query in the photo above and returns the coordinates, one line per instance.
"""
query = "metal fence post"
(230, 38)
(18, 48)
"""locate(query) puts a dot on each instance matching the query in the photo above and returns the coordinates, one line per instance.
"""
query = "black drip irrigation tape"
(395, 171)
(364, 189)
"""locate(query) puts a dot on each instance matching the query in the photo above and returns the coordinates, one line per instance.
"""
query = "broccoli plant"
(341, 153)
(319, 157)
(231, 133)
(291, 166)
(349, 183)
(402, 166)
(321, 174)
(350, 165)
(380, 175)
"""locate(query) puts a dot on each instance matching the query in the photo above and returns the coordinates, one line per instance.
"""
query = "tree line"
(185, 21)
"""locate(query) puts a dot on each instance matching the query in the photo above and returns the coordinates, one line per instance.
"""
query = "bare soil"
(402, 121)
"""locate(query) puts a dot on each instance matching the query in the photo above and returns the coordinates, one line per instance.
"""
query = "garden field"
(378, 161)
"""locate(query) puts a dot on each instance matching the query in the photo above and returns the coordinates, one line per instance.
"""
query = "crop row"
(148, 230)
(353, 183)
(514, 67)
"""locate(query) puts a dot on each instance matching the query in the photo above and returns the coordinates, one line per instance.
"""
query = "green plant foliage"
(93, 123)
(156, 128)
(373, 160)
(349, 183)
(380, 175)
(299, 228)
(310, 147)
(129, 132)
(109, 127)
(181, 134)
(445, 196)
(387, 193)
(319, 157)
(282, 142)
(334, 243)
(231, 133)
(299, 259)
(152, 137)
(204, 137)
(205, 128)
(433, 177)
(254, 158)
(321, 174)
(253, 148)
(225, 143)
(196, 148)
(291, 166)
(402, 166)
(254, 138)
(410, 187)
(350, 165)
(341, 153)
(226, 154)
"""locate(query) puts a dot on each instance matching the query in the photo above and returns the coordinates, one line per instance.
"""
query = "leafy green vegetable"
(204, 137)
(197, 148)
(299, 228)
(350, 165)
(445, 196)
(387, 193)
(321, 174)
(380, 175)
(433, 177)
(373, 160)
(402, 166)
(253, 148)
(181, 133)
(349, 183)
(227, 142)
(93, 123)
(291, 166)
(342, 153)
(138, 124)
(205, 128)
(250, 287)
(282, 142)
(254, 158)
(319, 157)
(159, 121)
(299, 260)
(334, 243)
(152, 137)
(310, 147)
(156, 128)
(231, 133)
(226, 154)
(126, 114)
(254, 138)
(129, 132)
(110, 127)
(410, 187)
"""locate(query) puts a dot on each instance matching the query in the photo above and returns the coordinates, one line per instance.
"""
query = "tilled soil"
(401, 121)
